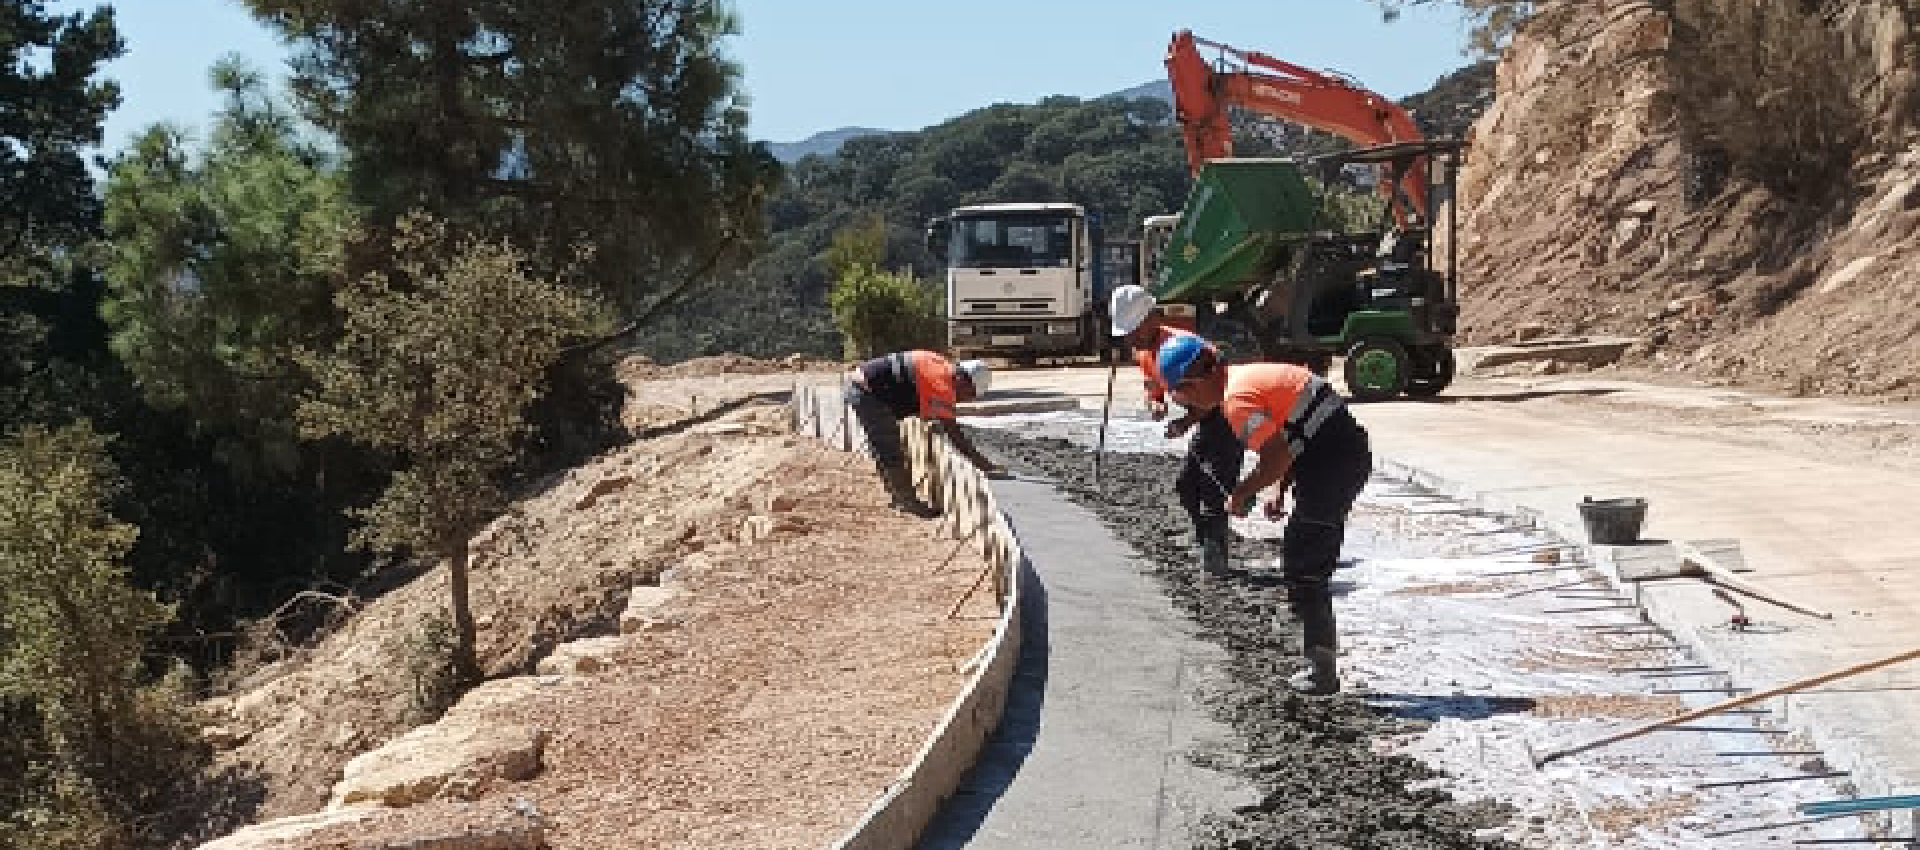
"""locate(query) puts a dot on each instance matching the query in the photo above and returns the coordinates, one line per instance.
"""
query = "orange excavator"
(1260, 241)
(1203, 91)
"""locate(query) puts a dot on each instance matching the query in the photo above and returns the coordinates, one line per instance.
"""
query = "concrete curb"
(896, 820)
(1675, 607)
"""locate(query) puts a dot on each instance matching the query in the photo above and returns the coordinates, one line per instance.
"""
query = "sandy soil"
(807, 669)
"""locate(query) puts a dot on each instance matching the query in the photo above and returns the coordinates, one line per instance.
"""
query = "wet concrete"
(1318, 781)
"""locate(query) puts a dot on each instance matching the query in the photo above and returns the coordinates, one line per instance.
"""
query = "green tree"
(51, 112)
(863, 243)
(100, 744)
(221, 268)
(438, 364)
(880, 312)
(616, 123)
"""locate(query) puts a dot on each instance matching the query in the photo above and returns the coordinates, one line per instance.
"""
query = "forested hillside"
(1119, 156)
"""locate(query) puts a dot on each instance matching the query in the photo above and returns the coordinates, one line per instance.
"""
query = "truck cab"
(1023, 280)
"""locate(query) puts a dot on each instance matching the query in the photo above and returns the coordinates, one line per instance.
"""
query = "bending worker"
(1305, 437)
(1213, 455)
(887, 389)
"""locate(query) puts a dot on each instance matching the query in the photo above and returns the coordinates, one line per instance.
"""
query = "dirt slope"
(811, 658)
(1736, 181)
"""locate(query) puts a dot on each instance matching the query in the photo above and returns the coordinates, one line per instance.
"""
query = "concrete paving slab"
(1094, 746)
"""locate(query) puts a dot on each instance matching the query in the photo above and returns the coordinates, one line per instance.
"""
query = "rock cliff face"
(1735, 181)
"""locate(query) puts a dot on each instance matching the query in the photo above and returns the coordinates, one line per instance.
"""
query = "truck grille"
(1008, 307)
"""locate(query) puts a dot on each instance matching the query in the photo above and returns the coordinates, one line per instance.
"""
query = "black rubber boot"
(1312, 604)
(1214, 560)
(1321, 676)
(899, 482)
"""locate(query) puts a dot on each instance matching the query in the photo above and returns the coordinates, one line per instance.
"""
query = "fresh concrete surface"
(1839, 534)
(1111, 668)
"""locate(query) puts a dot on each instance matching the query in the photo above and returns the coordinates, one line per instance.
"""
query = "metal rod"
(1586, 610)
(1661, 669)
(1665, 647)
(1735, 783)
(1106, 409)
(1519, 593)
(1733, 730)
(1771, 826)
(1562, 568)
(1907, 840)
(1677, 674)
(1753, 753)
(1527, 547)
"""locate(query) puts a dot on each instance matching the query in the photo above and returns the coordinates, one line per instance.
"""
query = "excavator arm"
(1203, 91)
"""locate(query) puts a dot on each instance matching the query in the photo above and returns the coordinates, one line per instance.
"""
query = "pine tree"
(615, 123)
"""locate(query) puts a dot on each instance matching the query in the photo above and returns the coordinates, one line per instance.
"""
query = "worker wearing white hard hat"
(1213, 454)
(885, 390)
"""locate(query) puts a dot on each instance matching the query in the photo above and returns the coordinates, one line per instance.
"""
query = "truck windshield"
(1013, 241)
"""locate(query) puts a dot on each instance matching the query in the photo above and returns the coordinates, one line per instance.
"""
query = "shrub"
(879, 312)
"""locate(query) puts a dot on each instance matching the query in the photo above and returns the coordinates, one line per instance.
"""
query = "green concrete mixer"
(1254, 242)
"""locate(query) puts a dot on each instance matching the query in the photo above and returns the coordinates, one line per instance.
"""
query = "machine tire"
(1377, 369)
(1433, 371)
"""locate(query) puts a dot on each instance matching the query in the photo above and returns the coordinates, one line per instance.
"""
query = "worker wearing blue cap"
(1305, 438)
(1213, 457)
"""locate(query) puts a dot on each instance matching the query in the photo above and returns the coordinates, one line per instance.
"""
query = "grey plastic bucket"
(1613, 521)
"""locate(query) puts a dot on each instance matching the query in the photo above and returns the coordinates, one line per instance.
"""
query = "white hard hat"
(1130, 306)
(977, 372)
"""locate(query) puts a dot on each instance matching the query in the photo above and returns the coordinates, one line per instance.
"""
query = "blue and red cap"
(1178, 355)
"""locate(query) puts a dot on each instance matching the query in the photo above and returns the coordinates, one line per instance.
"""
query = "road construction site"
(1483, 636)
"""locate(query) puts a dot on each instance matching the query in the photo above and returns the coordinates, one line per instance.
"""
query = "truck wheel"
(1433, 371)
(1376, 369)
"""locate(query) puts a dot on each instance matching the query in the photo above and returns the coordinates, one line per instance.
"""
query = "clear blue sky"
(904, 64)
(815, 65)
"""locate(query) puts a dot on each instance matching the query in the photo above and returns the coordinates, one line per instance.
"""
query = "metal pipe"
(1764, 780)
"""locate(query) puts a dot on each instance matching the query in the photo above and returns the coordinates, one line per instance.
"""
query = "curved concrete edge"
(1674, 608)
(903, 811)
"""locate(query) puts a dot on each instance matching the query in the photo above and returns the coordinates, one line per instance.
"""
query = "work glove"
(1178, 427)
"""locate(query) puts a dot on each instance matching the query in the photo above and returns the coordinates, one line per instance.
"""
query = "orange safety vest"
(1264, 399)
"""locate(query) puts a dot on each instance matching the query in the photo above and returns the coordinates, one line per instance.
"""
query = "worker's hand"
(1239, 505)
(1178, 427)
(1277, 506)
(1157, 409)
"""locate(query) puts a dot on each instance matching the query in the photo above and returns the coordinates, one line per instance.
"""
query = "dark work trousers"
(1213, 449)
(1327, 478)
(882, 427)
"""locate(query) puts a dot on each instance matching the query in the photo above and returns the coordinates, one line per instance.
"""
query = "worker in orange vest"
(885, 390)
(1214, 453)
(1305, 438)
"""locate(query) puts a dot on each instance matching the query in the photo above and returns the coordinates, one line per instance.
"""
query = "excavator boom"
(1203, 91)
